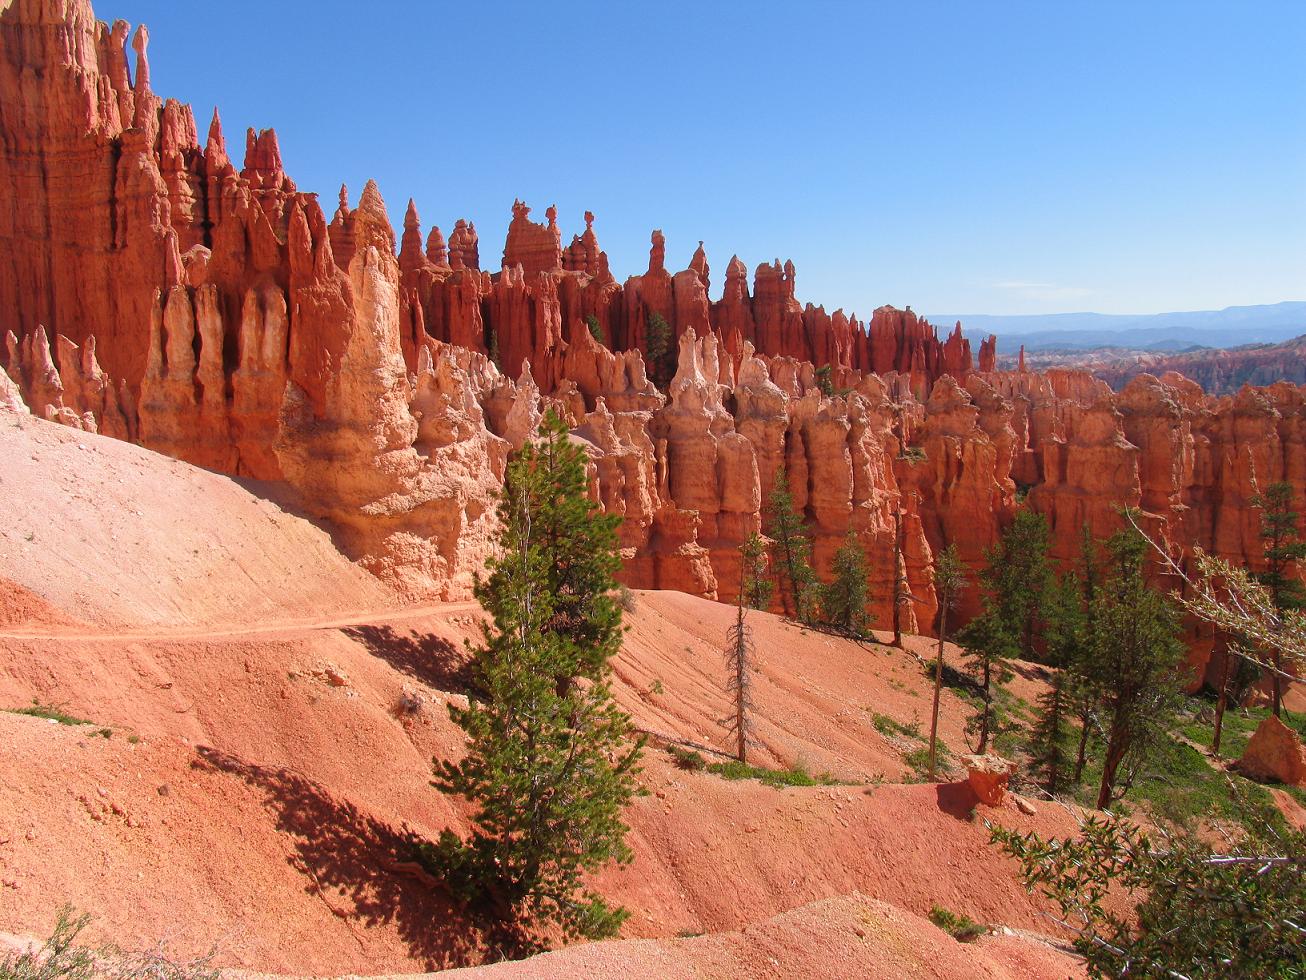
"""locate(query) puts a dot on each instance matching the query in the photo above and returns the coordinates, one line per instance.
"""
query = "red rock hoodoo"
(154, 292)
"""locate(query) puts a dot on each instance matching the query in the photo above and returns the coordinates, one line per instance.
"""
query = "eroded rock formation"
(156, 293)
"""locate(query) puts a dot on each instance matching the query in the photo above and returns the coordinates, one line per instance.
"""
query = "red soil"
(252, 783)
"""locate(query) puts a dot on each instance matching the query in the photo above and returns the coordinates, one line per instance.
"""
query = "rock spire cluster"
(153, 291)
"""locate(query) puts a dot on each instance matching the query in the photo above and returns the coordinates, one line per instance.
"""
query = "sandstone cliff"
(156, 293)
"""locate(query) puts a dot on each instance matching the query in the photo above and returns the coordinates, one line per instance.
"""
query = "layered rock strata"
(155, 292)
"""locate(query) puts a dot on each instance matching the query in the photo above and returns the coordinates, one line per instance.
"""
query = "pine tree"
(792, 550)
(949, 580)
(657, 337)
(1019, 576)
(756, 584)
(579, 545)
(1077, 683)
(824, 380)
(1134, 658)
(990, 646)
(595, 328)
(549, 767)
(1283, 549)
(844, 599)
(1066, 639)
(1015, 585)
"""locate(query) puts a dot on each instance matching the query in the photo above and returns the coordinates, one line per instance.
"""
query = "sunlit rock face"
(155, 291)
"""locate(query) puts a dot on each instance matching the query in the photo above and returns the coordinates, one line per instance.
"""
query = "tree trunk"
(1081, 757)
(938, 684)
(1054, 748)
(1116, 747)
(1277, 682)
(988, 709)
(1222, 702)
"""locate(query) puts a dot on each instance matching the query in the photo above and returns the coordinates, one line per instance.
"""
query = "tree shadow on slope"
(432, 660)
(957, 800)
(361, 868)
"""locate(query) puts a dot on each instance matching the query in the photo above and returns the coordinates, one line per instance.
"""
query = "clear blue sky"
(971, 156)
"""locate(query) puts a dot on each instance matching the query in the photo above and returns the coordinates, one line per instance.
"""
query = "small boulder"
(988, 776)
(1274, 753)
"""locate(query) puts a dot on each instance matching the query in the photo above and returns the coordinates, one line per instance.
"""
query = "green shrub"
(688, 759)
(959, 925)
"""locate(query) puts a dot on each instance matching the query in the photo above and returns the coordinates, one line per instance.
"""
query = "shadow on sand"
(342, 851)
(431, 660)
(957, 799)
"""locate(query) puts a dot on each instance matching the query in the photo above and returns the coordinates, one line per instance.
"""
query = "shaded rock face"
(1274, 753)
(158, 293)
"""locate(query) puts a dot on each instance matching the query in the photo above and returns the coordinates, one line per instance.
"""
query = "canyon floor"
(262, 716)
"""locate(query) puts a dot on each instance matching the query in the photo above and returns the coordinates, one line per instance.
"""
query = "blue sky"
(985, 157)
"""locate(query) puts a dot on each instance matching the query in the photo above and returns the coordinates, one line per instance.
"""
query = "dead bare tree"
(739, 663)
(754, 593)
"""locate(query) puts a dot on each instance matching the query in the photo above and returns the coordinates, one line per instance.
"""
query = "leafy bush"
(1193, 912)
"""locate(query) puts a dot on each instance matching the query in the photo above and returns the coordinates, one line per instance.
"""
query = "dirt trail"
(285, 627)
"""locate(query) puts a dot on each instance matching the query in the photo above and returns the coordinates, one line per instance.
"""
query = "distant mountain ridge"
(1230, 327)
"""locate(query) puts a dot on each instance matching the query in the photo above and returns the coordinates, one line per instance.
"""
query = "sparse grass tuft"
(626, 599)
(889, 727)
(52, 712)
(919, 760)
(1179, 786)
(797, 775)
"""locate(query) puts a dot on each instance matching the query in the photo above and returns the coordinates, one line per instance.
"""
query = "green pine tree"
(949, 580)
(824, 380)
(1019, 575)
(843, 601)
(1077, 684)
(990, 646)
(1284, 548)
(756, 585)
(595, 328)
(1066, 638)
(1133, 661)
(791, 548)
(658, 349)
(549, 766)
(579, 545)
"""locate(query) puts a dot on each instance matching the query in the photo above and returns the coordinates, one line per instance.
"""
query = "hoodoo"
(156, 293)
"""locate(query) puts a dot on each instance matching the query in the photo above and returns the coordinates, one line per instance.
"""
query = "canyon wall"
(154, 292)
(1219, 372)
